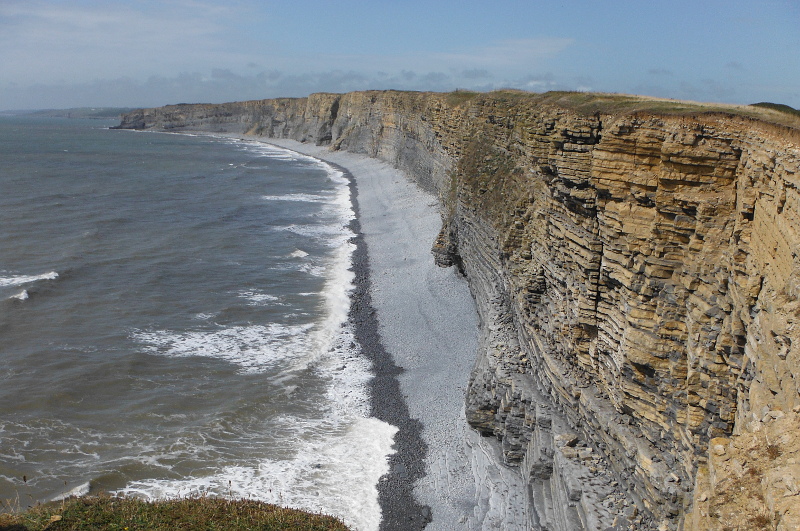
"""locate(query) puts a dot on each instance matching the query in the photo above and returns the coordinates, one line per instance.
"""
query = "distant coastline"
(93, 113)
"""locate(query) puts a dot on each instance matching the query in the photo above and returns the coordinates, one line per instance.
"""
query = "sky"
(145, 53)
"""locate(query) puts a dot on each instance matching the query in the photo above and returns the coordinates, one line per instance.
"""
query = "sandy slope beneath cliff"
(427, 322)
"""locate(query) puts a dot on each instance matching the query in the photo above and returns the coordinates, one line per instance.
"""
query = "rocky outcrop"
(635, 265)
(752, 480)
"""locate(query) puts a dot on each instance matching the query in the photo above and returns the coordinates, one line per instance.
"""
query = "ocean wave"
(301, 198)
(19, 280)
(22, 295)
(331, 475)
(313, 270)
(258, 298)
(81, 490)
(330, 235)
(332, 464)
(254, 348)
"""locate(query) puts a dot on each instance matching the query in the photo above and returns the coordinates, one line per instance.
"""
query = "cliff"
(635, 266)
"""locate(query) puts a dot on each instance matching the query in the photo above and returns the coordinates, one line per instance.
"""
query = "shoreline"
(399, 509)
(398, 489)
(418, 324)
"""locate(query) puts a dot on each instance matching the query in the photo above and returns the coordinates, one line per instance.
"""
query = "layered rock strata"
(635, 267)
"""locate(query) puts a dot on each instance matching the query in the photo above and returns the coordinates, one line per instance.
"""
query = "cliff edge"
(636, 268)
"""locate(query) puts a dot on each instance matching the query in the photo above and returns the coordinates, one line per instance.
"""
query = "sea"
(174, 322)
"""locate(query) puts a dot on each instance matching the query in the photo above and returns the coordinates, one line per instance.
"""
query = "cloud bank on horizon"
(128, 53)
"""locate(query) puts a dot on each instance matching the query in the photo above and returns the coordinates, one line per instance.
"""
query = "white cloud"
(513, 54)
(156, 51)
(504, 58)
(43, 42)
(92, 52)
(150, 52)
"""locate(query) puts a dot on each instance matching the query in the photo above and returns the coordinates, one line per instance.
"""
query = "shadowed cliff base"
(634, 263)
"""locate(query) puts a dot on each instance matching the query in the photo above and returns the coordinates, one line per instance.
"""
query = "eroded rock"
(637, 276)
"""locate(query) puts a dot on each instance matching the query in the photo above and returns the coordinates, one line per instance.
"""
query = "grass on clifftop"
(780, 107)
(590, 103)
(457, 97)
(104, 512)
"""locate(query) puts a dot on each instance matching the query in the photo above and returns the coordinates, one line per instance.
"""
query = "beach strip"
(422, 338)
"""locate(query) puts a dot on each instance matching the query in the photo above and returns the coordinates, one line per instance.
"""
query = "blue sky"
(59, 54)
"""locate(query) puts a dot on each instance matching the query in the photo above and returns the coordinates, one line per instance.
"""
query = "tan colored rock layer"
(642, 270)
(752, 480)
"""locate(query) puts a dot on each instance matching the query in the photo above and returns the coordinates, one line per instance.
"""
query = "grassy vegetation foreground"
(190, 513)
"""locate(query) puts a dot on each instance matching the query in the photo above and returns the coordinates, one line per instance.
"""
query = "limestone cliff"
(635, 265)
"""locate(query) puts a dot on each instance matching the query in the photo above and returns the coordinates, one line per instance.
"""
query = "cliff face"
(636, 270)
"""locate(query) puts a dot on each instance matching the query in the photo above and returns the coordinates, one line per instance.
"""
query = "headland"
(635, 269)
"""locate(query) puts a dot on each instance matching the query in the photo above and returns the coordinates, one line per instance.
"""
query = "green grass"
(591, 103)
(129, 514)
(457, 97)
(780, 107)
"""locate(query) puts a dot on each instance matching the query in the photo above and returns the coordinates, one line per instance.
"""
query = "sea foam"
(337, 459)
(22, 295)
(256, 297)
(336, 475)
(254, 348)
(301, 198)
(18, 280)
(81, 490)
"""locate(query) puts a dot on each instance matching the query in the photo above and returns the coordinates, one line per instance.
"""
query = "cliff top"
(590, 103)
(586, 103)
